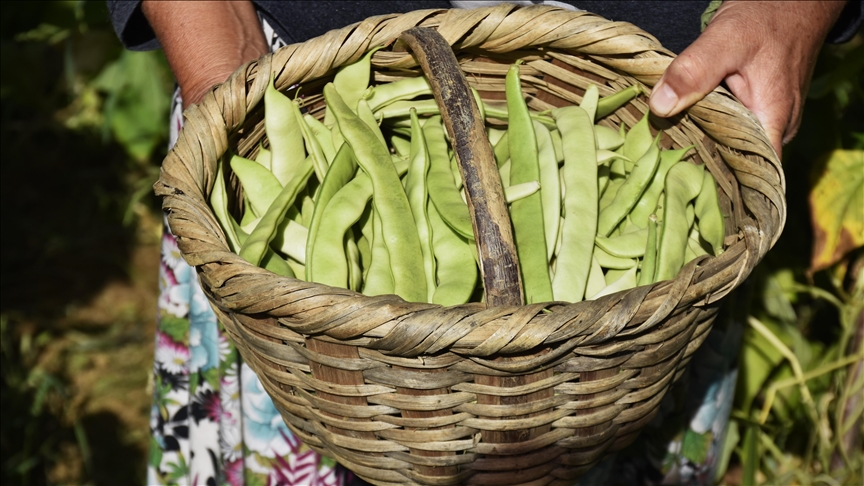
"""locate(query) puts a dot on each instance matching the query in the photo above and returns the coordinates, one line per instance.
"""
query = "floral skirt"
(211, 421)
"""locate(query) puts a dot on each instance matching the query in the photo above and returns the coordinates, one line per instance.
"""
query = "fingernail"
(663, 100)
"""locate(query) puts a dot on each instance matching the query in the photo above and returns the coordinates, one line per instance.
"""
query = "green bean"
(495, 135)
(504, 170)
(257, 245)
(456, 268)
(457, 176)
(401, 109)
(557, 145)
(442, 188)
(401, 239)
(365, 254)
(351, 82)
(326, 261)
(589, 101)
(610, 261)
(596, 282)
(284, 133)
(307, 208)
(291, 239)
(607, 139)
(683, 183)
(499, 112)
(604, 156)
(260, 187)
(404, 89)
(610, 192)
(276, 264)
(355, 273)
(322, 135)
(550, 188)
(527, 214)
(368, 117)
(341, 171)
(625, 282)
(319, 160)
(502, 152)
(638, 139)
(609, 104)
(630, 191)
(401, 145)
(418, 196)
(219, 203)
(379, 277)
(580, 203)
(694, 247)
(649, 261)
(647, 203)
(628, 245)
(521, 191)
(264, 158)
(603, 173)
(708, 214)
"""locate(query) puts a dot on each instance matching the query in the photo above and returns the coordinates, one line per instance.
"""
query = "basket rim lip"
(250, 72)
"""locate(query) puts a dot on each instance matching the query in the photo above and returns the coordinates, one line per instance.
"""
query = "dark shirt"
(676, 24)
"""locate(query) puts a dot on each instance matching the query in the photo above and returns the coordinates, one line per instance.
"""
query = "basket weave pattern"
(417, 393)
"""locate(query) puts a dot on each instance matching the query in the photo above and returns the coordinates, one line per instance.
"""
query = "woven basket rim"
(204, 138)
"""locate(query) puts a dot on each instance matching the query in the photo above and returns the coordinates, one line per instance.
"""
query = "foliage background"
(84, 127)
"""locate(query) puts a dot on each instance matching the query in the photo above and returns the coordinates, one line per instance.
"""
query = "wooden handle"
(493, 233)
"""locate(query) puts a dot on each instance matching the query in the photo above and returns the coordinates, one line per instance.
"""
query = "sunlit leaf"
(837, 207)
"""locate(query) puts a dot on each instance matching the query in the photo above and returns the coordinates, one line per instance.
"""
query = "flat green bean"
(629, 192)
(502, 152)
(351, 82)
(610, 261)
(256, 246)
(624, 282)
(341, 172)
(291, 239)
(557, 144)
(521, 191)
(550, 188)
(609, 104)
(456, 269)
(683, 183)
(264, 157)
(276, 264)
(355, 273)
(580, 203)
(379, 277)
(389, 200)
(649, 261)
(260, 187)
(638, 139)
(442, 188)
(628, 245)
(708, 214)
(418, 196)
(596, 282)
(527, 214)
(322, 135)
(607, 139)
(284, 133)
(404, 89)
(589, 101)
(647, 203)
(219, 203)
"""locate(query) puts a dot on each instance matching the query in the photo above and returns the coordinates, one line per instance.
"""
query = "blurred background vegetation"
(84, 128)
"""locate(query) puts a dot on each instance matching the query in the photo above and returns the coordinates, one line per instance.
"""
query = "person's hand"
(765, 51)
(205, 42)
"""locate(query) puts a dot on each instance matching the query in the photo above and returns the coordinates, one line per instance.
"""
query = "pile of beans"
(594, 210)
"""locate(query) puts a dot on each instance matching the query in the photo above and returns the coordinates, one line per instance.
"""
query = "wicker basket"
(415, 393)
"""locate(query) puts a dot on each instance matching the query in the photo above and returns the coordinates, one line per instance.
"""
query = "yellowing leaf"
(837, 207)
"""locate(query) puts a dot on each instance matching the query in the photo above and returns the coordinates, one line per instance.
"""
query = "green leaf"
(837, 207)
(750, 454)
(211, 376)
(695, 446)
(175, 327)
(730, 440)
(155, 459)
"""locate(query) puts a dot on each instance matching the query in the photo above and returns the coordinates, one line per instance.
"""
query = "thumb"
(697, 71)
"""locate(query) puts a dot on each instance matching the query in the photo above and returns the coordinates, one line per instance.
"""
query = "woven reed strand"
(389, 388)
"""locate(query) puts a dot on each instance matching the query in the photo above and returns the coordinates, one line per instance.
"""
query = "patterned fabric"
(211, 420)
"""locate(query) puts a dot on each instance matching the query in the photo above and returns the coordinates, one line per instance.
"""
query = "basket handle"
(493, 233)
